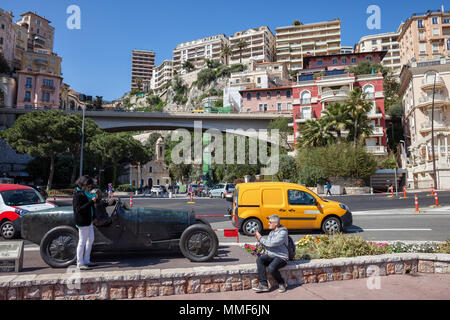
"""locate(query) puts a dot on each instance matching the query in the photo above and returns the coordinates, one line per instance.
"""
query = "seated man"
(277, 255)
(101, 217)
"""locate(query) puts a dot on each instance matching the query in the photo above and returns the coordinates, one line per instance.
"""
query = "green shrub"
(205, 77)
(218, 103)
(444, 248)
(125, 188)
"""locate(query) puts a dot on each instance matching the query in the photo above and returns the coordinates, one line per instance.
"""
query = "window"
(300, 198)
(344, 61)
(374, 41)
(436, 31)
(334, 61)
(29, 83)
(265, 107)
(305, 97)
(422, 48)
(435, 20)
(278, 93)
(353, 60)
(45, 97)
(369, 92)
(48, 83)
(435, 47)
(258, 95)
(27, 96)
(369, 58)
(258, 80)
(288, 93)
(279, 107)
(3, 26)
(249, 96)
(1, 40)
(448, 44)
(319, 62)
(268, 94)
(420, 23)
(260, 108)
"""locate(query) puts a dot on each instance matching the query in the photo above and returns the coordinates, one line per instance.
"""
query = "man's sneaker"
(261, 288)
(282, 288)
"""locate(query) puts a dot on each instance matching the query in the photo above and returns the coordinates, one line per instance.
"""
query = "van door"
(302, 209)
(273, 202)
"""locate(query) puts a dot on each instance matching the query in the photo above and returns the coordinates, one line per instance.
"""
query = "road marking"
(393, 229)
(31, 249)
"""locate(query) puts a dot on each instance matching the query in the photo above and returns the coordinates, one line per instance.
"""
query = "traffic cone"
(432, 191)
(131, 201)
(416, 200)
(192, 198)
(404, 194)
(436, 200)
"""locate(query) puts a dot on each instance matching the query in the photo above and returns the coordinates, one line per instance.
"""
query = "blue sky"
(97, 58)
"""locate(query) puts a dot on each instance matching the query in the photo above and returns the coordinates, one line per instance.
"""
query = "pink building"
(38, 90)
(276, 99)
(342, 61)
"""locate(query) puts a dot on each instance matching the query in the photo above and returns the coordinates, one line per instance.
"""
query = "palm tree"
(241, 45)
(225, 52)
(338, 119)
(358, 107)
(316, 133)
(138, 81)
(188, 66)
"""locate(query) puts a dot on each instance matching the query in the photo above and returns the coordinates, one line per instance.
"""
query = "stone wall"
(155, 282)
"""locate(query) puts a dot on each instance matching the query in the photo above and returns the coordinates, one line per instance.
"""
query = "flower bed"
(341, 246)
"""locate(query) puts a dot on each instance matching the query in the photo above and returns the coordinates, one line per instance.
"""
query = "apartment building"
(260, 46)
(162, 74)
(142, 64)
(347, 49)
(197, 51)
(21, 46)
(257, 76)
(417, 80)
(7, 37)
(295, 41)
(326, 81)
(425, 36)
(38, 90)
(383, 42)
(40, 32)
(275, 100)
(41, 62)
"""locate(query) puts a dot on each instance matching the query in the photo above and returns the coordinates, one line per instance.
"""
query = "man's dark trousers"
(272, 265)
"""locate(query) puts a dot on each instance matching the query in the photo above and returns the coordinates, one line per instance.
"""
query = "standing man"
(277, 255)
(328, 187)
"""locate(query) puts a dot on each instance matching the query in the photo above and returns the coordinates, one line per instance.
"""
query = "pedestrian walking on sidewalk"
(276, 244)
(110, 190)
(328, 187)
(83, 210)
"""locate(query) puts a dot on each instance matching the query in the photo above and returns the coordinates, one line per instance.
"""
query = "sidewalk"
(393, 287)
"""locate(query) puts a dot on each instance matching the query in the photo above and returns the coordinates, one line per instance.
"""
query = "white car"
(15, 201)
(220, 190)
(157, 189)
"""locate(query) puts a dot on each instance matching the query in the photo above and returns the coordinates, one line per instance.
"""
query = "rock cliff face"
(179, 97)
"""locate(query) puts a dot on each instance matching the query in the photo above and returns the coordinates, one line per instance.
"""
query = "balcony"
(377, 150)
(334, 95)
(427, 101)
(428, 83)
(377, 132)
(438, 125)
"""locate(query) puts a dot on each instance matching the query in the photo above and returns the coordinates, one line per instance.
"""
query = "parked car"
(218, 191)
(158, 189)
(15, 201)
(229, 191)
(297, 207)
(132, 229)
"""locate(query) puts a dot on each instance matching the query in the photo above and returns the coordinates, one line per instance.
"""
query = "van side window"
(297, 197)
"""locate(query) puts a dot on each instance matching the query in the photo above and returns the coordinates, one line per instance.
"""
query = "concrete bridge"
(113, 121)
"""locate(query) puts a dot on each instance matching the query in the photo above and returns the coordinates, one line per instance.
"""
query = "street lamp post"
(82, 144)
(432, 135)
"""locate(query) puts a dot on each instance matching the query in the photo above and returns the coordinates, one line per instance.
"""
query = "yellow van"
(297, 206)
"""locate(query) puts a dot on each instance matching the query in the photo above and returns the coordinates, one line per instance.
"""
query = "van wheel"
(331, 225)
(251, 226)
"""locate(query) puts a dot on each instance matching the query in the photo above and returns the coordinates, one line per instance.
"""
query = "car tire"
(59, 247)
(7, 230)
(210, 195)
(199, 243)
(222, 195)
(331, 225)
(250, 226)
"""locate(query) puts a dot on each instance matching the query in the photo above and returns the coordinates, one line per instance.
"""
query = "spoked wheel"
(59, 247)
(251, 226)
(331, 225)
(199, 243)
(7, 230)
